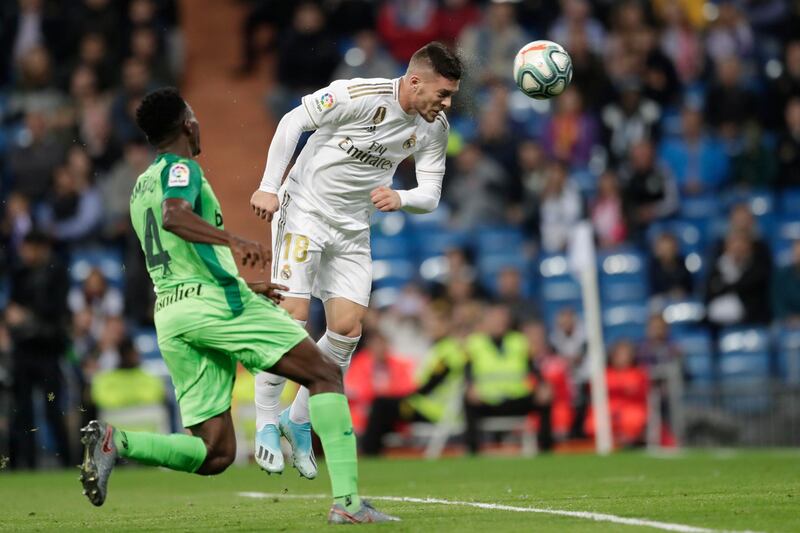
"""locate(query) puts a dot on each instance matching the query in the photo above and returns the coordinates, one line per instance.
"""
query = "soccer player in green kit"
(208, 319)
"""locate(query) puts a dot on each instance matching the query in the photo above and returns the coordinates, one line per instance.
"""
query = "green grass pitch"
(757, 491)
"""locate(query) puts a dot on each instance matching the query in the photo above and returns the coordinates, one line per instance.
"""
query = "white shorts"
(313, 258)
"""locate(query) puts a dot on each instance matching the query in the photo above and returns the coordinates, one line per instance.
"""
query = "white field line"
(597, 517)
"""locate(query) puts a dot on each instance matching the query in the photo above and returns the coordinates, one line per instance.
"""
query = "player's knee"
(327, 377)
(220, 454)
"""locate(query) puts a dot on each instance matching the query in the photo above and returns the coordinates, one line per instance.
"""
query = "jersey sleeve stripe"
(377, 84)
(308, 111)
(371, 93)
(436, 172)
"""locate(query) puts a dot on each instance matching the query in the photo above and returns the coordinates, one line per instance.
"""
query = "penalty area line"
(597, 517)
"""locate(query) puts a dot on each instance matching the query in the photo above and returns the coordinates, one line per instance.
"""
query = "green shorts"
(202, 361)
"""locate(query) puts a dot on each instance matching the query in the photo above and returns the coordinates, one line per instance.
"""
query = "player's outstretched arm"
(179, 218)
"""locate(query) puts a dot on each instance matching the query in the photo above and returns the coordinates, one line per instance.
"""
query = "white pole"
(583, 262)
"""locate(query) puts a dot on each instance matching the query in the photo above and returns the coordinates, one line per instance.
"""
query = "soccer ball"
(542, 69)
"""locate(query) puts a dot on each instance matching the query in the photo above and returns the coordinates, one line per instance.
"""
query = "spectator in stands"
(588, 73)
(436, 386)
(738, 286)
(16, 224)
(376, 372)
(299, 72)
(128, 385)
(656, 349)
(682, 43)
(570, 133)
(560, 209)
(145, 48)
(36, 315)
(569, 340)
(366, 59)
(555, 372)
(136, 81)
(454, 17)
(511, 294)
(98, 298)
(668, 275)
(262, 28)
(649, 193)
(35, 157)
(93, 52)
(789, 146)
(729, 104)
(696, 159)
(407, 25)
(532, 163)
(576, 17)
(73, 212)
(26, 25)
(742, 220)
(658, 74)
(495, 135)
(786, 87)
(608, 218)
(730, 34)
(116, 189)
(629, 119)
(489, 49)
(35, 91)
(479, 196)
(628, 387)
(786, 290)
(107, 355)
(402, 322)
(501, 378)
(753, 162)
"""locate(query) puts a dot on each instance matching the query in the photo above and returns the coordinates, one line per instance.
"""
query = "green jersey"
(194, 280)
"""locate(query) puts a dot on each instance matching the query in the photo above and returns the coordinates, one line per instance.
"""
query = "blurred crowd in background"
(678, 139)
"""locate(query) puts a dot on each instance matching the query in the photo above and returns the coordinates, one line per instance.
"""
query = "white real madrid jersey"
(362, 134)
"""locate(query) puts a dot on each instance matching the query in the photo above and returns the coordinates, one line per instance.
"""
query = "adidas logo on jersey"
(370, 156)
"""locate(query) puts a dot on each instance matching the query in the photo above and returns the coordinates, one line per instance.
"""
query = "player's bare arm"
(179, 218)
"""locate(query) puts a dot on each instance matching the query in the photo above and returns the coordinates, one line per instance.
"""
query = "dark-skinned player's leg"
(330, 418)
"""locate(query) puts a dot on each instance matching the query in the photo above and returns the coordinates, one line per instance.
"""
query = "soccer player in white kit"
(364, 129)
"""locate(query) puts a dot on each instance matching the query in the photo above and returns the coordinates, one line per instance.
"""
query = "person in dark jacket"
(37, 316)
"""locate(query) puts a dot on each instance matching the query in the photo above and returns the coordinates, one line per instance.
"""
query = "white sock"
(268, 396)
(339, 349)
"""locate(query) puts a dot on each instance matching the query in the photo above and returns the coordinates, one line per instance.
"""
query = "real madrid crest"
(379, 115)
(286, 272)
(410, 142)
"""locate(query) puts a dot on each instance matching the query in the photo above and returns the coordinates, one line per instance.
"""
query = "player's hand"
(264, 204)
(250, 253)
(270, 290)
(385, 199)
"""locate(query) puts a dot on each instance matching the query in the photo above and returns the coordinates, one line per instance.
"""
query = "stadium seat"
(788, 346)
(622, 277)
(490, 265)
(683, 314)
(558, 288)
(624, 322)
(388, 224)
(698, 356)
(391, 247)
(108, 260)
(744, 369)
(699, 208)
(498, 240)
(392, 272)
(790, 202)
(435, 241)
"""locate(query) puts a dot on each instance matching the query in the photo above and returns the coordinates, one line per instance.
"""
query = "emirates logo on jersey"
(372, 156)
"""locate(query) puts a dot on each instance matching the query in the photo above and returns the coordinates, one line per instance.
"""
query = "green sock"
(330, 418)
(176, 451)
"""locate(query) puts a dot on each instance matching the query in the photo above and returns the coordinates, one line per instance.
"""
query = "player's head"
(433, 77)
(165, 117)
